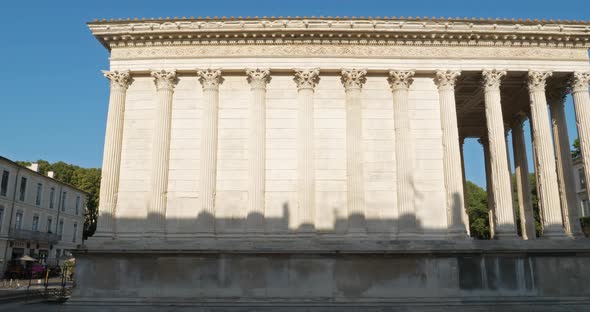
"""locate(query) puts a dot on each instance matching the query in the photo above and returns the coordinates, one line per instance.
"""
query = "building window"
(52, 198)
(77, 205)
(1, 216)
(75, 231)
(39, 192)
(4, 184)
(49, 223)
(23, 189)
(582, 179)
(18, 224)
(585, 208)
(35, 226)
(60, 229)
(63, 201)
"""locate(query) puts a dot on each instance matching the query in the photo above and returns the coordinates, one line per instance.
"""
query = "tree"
(86, 179)
(576, 149)
(477, 210)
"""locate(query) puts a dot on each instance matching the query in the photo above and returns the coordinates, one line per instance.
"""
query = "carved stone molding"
(446, 79)
(305, 49)
(307, 78)
(121, 79)
(580, 81)
(210, 78)
(400, 79)
(353, 78)
(537, 80)
(258, 78)
(164, 79)
(492, 78)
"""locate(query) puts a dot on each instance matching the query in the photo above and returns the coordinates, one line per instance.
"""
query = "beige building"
(39, 216)
(298, 160)
(581, 187)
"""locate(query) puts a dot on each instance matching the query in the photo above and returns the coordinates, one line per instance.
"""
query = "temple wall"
(378, 138)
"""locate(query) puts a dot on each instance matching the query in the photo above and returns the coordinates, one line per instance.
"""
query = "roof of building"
(42, 175)
(341, 30)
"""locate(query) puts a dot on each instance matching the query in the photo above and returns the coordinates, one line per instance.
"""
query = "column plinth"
(353, 80)
(165, 82)
(457, 220)
(111, 163)
(210, 80)
(546, 171)
(306, 80)
(400, 82)
(500, 177)
(523, 188)
(258, 79)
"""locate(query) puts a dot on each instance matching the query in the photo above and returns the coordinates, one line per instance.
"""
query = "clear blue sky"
(54, 98)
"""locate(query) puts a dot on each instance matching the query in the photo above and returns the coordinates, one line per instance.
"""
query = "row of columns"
(552, 158)
(353, 81)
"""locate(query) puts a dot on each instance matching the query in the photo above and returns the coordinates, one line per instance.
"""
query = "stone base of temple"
(403, 274)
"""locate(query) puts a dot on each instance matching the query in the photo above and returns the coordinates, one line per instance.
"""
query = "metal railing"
(33, 235)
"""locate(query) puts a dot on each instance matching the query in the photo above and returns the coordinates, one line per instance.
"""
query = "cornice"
(358, 31)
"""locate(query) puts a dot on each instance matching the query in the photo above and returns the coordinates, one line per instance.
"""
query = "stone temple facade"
(317, 162)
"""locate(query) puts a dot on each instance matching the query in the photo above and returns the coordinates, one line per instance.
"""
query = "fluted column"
(500, 177)
(111, 162)
(258, 79)
(565, 170)
(464, 180)
(400, 82)
(457, 221)
(579, 86)
(547, 174)
(306, 80)
(523, 188)
(210, 80)
(489, 189)
(353, 81)
(165, 82)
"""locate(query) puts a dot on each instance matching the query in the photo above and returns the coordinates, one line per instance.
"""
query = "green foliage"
(86, 179)
(576, 149)
(477, 210)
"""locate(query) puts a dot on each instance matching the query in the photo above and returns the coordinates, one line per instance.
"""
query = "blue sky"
(54, 98)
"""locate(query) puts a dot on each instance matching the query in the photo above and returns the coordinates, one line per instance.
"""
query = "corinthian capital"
(119, 79)
(492, 78)
(400, 79)
(164, 79)
(307, 78)
(353, 78)
(580, 81)
(258, 78)
(538, 80)
(557, 92)
(210, 78)
(446, 79)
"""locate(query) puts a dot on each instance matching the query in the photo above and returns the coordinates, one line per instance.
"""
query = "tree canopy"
(86, 179)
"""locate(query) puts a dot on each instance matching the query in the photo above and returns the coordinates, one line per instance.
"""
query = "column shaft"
(306, 80)
(258, 79)
(111, 163)
(210, 80)
(457, 220)
(464, 180)
(353, 81)
(489, 189)
(581, 97)
(565, 170)
(500, 177)
(547, 174)
(523, 188)
(400, 82)
(165, 81)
